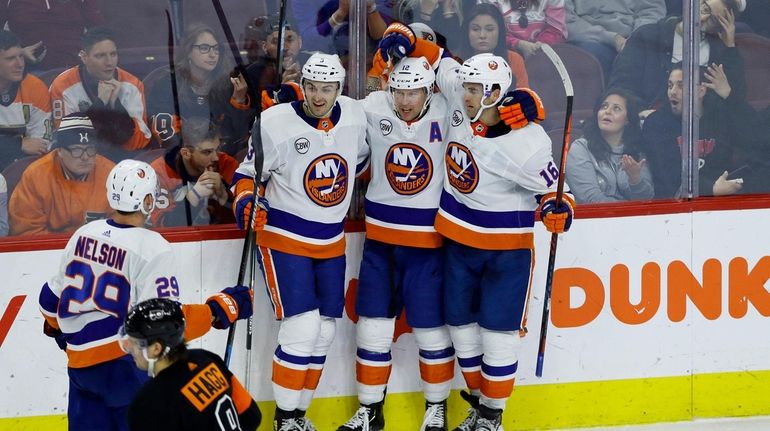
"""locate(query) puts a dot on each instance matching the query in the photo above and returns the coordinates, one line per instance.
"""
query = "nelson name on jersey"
(106, 254)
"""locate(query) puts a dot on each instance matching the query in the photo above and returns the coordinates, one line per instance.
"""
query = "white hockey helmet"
(324, 68)
(413, 73)
(128, 183)
(487, 70)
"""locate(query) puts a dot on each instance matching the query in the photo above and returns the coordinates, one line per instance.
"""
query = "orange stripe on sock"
(312, 377)
(472, 379)
(372, 376)
(500, 389)
(288, 378)
(437, 373)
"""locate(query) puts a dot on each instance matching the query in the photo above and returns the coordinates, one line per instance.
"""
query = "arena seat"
(586, 76)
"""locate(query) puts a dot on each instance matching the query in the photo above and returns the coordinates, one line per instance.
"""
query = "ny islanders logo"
(408, 168)
(326, 180)
(461, 169)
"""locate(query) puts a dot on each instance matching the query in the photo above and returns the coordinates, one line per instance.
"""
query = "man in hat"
(66, 188)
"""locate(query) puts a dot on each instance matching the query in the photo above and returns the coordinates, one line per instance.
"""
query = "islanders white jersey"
(494, 179)
(309, 168)
(105, 270)
(407, 172)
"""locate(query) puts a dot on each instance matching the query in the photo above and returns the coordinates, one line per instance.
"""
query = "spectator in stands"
(749, 133)
(3, 207)
(205, 89)
(663, 145)
(443, 16)
(66, 188)
(646, 61)
(57, 24)
(484, 31)
(602, 27)
(195, 179)
(264, 68)
(25, 106)
(109, 94)
(531, 23)
(606, 164)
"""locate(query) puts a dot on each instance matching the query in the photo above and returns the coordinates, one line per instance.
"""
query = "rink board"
(655, 318)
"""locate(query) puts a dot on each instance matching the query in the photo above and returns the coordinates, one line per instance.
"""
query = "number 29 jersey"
(106, 268)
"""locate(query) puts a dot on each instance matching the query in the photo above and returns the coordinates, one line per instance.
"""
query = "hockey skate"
(435, 417)
(489, 419)
(367, 418)
(469, 424)
(287, 421)
(304, 422)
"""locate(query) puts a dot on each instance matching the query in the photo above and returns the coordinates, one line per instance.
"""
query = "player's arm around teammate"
(312, 149)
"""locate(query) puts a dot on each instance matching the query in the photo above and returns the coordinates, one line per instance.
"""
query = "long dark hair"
(218, 80)
(632, 132)
(501, 49)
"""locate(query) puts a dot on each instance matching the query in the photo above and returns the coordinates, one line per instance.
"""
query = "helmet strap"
(487, 92)
(151, 361)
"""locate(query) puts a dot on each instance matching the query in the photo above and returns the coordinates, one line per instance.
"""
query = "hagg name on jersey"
(409, 168)
(462, 172)
(326, 180)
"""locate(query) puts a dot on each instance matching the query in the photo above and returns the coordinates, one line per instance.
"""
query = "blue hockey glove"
(397, 42)
(521, 107)
(229, 305)
(556, 219)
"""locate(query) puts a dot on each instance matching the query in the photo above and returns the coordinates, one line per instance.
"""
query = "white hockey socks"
(437, 362)
(297, 338)
(317, 360)
(374, 337)
(468, 348)
(498, 368)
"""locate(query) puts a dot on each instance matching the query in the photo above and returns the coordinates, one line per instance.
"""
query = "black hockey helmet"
(157, 319)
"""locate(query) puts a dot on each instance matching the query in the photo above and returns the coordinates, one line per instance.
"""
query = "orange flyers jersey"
(407, 163)
(309, 168)
(106, 268)
(68, 95)
(494, 176)
(29, 113)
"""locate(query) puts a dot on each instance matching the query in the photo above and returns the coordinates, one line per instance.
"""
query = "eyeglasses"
(522, 9)
(77, 152)
(204, 48)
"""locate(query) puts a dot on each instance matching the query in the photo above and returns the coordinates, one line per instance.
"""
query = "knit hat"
(75, 129)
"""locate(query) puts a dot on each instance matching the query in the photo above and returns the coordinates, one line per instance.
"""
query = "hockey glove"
(242, 210)
(56, 334)
(521, 107)
(229, 305)
(556, 219)
(397, 42)
(285, 93)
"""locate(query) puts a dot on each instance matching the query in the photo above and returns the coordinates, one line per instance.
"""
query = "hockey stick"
(174, 21)
(551, 54)
(281, 48)
(256, 145)
(177, 19)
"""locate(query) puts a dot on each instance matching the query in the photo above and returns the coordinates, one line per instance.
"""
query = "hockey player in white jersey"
(313, 150)
(495, 178)
(401, 265)
(107, 267)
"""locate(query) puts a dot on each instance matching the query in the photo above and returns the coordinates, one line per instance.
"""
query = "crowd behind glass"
(110, 61)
